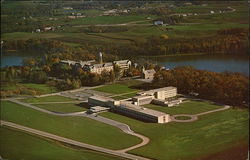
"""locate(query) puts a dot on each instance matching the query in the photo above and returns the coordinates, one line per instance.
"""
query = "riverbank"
(174, 55)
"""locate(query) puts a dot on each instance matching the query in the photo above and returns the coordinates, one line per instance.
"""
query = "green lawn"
(119, 88)
(39, 88)
(62, 108)
(125, 96)
(48, 99)
(42, 88)
(22, 146)
(78, 128)
(190, 107)
(185, 141)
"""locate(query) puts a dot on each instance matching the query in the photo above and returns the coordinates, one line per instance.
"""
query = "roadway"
(70, 141)
(122, 126)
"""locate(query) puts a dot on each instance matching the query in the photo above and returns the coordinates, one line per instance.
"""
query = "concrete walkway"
(70, 141)
(124, 127)
(75, 102)
(194, 117)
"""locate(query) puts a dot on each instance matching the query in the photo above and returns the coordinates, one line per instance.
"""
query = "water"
(12, 60)
(216, 63)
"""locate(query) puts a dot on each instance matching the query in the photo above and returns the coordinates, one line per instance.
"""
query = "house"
(158, 23)
(148, 74)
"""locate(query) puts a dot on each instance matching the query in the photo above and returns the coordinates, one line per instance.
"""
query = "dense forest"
(227, 88)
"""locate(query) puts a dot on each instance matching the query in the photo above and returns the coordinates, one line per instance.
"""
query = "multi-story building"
(129, 109)
(141, 100)
(98, 68)
(123, 64)
(161, 93)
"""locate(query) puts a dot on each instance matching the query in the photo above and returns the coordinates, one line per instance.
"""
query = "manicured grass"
(62, 107)
(42, 88)
(22, 146)
(190, 107)
(77, 128)
(39, 88)
(125, 96)
(210, 134)
(47, 99)
(119, 88)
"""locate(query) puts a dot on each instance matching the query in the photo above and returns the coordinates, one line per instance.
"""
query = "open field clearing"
(31, 147)
(77, 128)
(119, 88)
(47, 99)
(210, 134)
(191, 107)
(62, 107)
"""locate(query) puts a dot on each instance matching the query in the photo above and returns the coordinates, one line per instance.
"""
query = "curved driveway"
(70, 141)
(124, 127)
(194, 117)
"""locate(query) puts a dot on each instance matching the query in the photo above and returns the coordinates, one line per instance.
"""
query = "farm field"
(77, 128)
(31, 147)
(62, 107)
(119, 88)
(190, 140)
(55, 98)
(190, 107)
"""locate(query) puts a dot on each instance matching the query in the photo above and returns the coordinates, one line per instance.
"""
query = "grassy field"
(78, 128)
(191, 107)
(119, 88)
(62, 108)
(212, 133)
(125, 96)
(19, 146)
(39, 88)
(47, 99)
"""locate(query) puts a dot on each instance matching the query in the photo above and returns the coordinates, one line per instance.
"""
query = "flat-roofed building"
(141, 100)
(145, 114)
(161, 93)
(98, 68)
(102, 101)
(98, 109)
(129, 109)
(123, 64)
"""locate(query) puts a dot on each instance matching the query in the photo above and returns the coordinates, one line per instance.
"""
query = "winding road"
(124, 127)
(72, 142)
(194, 117)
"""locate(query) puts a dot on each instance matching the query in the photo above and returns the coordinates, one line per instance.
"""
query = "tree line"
(227, 88)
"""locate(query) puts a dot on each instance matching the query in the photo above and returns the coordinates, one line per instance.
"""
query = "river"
(216, 63)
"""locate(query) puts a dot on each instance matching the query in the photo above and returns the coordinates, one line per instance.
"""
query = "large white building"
(129, 109)
(161, 93)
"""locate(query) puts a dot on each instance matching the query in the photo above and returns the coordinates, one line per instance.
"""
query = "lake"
(216, 63)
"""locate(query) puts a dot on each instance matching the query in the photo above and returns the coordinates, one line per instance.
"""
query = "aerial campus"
(111, 80)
